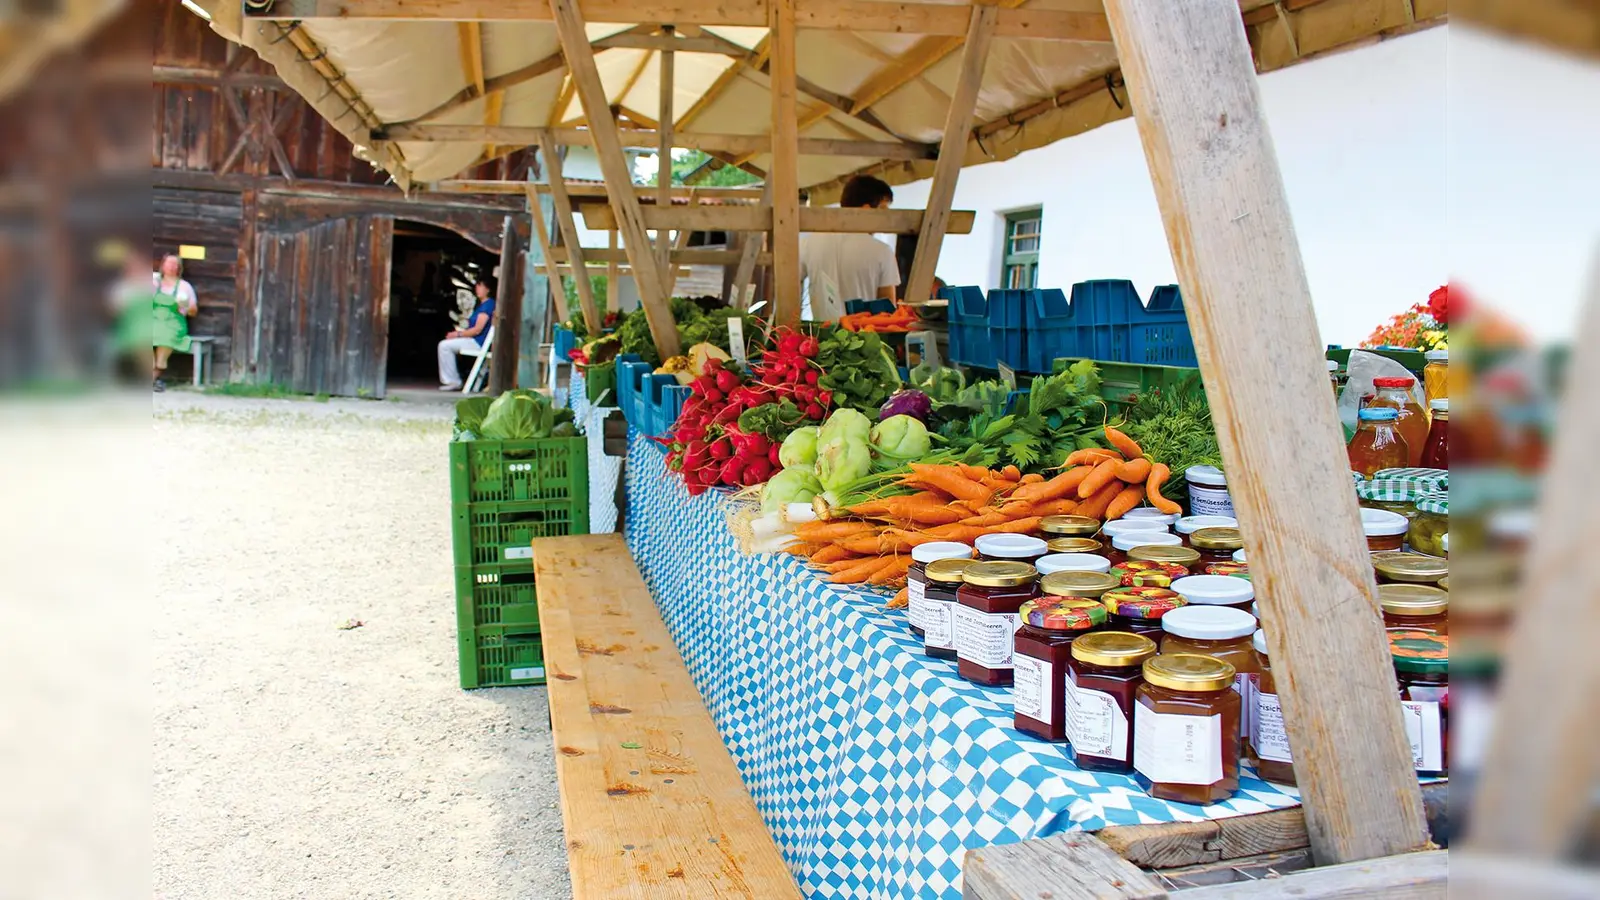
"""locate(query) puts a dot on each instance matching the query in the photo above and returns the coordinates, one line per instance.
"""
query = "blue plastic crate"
(852, 307)
(630, 391)
(565, 342)
(1109, 322)
(663, 401)
(1164, 338)
(986, 331)
(1048, 318)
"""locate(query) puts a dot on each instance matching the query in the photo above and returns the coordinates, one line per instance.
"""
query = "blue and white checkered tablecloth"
(875, 767)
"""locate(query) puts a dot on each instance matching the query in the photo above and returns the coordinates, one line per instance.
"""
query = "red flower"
(1439, 305)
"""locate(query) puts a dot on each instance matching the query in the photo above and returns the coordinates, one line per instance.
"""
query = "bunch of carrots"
(956, 502)
(901, 319)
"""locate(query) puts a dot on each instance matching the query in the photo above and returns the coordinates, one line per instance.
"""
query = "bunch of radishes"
(789, 368)
(707, 447)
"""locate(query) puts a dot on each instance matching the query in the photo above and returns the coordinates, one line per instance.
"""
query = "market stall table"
(874, 766)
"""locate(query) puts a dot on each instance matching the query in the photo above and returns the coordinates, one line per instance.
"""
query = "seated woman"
(173, 303)
(469, 339)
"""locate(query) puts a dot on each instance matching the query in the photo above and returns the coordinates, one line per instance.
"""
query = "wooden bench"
(653, 804)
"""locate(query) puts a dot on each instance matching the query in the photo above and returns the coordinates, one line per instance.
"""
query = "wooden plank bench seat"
(653, 804)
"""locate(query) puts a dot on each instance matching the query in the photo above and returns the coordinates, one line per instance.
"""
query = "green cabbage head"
(844, 425)
(901, 437)
(795, 484)
(799, 448)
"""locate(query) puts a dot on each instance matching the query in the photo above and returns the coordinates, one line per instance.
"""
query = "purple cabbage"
(907, 402)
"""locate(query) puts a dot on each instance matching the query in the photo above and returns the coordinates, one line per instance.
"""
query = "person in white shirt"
(841, 267)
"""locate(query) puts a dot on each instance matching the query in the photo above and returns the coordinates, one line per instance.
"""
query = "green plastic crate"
(487, 533)
(553, 469)
(1413, 360)
(600, 383)
(1120, 381)
(496, 595)
(501, 656)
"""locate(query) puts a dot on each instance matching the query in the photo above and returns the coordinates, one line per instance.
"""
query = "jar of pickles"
(1104, 675)
(1072, 562)
(1042, 648)
(1431, 524)
(1409, 568)
(1424, 478)
(1140, 609)
(1217, 543)
(1396, 495)
(1414, 607)
(1052, 527)
(917, 576)
(1186, 724)
(1121, 544)
(1422, 670)
(1077, 584)
(1010, 548)
(986, 618)
(1074, 545)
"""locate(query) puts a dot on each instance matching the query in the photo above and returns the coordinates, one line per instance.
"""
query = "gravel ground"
(296, 759)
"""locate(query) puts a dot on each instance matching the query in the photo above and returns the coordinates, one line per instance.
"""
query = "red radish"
(813, 411)
(825, 397)
(721, 449)
(732, 470)
(726, 381)
(757, 472)
(772, 455)
(809, 347)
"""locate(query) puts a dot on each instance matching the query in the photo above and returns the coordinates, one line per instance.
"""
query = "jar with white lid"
(1385, 530)
(1121, 544)
(1010, 548)
(1218, 631)
(1216, 590)
(1118, 527)
(1149, 513)
(917, 604)
(1190, 524)
(1208, 491)
(1238, 556)
(1072, 562)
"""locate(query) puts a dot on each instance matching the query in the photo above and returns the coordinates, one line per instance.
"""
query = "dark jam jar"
(1039, 663)
(1123, 544)
(1010, 548)
(1414, 607)
(938, 618)
(1422, 668)
(917, 576)
(1186, 729)
(1103, 679)
(1053, 527)
(1139, 609)
(1075, 545)
(986, 620)
(1217, 544)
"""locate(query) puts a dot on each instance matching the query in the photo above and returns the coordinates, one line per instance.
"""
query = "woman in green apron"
(173, 303)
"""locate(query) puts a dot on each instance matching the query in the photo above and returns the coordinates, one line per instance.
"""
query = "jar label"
(1177, 749)
(916, 602)
(985, 639)
(938, 628)
(1096, 725)
(1031, 692)
(1267, 734)
(1424, 732)
(1209, 501)
(1244, 684)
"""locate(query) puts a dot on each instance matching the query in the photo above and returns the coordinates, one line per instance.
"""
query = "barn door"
(320, 322)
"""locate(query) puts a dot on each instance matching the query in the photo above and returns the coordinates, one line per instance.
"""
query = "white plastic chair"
(485, 351)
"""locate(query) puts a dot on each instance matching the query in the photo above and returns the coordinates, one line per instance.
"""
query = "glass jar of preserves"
(1436, 374)
(1220, 631)
(1077, 584)
(985, 618)
(1208, 491)
(1217, 544)
(1104, 675)
(1216, 590)
(1430, 480)
(1414, 607)
(1377, 443)
(1186, 723)
(1118, 527)
(1068, 526)
(1010, 548)
(1188, 525)
(1074, 545)
(1385, 531)
(1166, 553)
(945, 577)
(1121, 544)
(1428, 528)
(1230, 569)
(1147, 573)
(1409, 568)
(1436, 454)
(1072, 562)
(1268, 743)
(1042, 648)
(1239, 556)
(1396, 495)
(1140, 609)
(1411, 419)
(917, 576)
(1422, 669)
(1150, 512)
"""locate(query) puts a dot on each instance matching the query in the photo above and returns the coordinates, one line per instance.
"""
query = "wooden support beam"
(957, 125)
(757, 218)
(633, 79)
(924, 55)
(824, 15)
(555, 62)
(721, 84)
(613, 300)
(738, 144)
(664, 149)
(784, 174)
(681, 242)
(668, 43)
(1073, 866)
(608, 147)
(541, 234)
(686, 256)
(569, 232)
(508, 311)
(1190, 76)
(751, 255)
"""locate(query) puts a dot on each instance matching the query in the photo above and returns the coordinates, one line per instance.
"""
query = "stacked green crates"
(503, 494)
(1120, 382)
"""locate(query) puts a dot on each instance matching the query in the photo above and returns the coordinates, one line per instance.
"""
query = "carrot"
(1016, 526)
(1159, 473)
(1011, 473)
(1095, 506)
(1127, 445)
(923, 512)
(973, 473)
(1096, 480)
(1090, 456)
(1060, 486)
(863, 544)
(859, 571)
(1126, 499)
(1031, 478)
(1016, 509)
(900, 600)
(830, 531)
(951, 480)
(939, 497)
(1062, 507)
(910, 537)
(803, 548)
(1134, 471)
(895, 569)
(830, 553)
(870, 508)
(989, 518)
(966, 534)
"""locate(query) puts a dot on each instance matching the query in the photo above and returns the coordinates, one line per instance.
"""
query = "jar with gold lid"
(1074, 545)
(1123, 543)
(1217, 544)
(1104, 675)
(1414, 607)
(986, 618)
(1188, 525)
(1068, 526)
(1186, 726)
(939, 605)
(1077, 584)
(1409, 568)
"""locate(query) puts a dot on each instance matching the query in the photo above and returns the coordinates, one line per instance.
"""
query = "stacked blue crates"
(986, 331)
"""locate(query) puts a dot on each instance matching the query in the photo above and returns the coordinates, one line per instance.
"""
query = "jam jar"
(1219, 631)
(1186, 723)
(1216, 590)
(1396, 495)
(1071, 562)
(1010, 548)
(1052, 527)
(1121, 544)
(986, 621)
(1409, 568)
(1104, 675)
(1074, 545)
(917, 576)
(1077, 584)
(1139, 609)
(1188, 525)
(1167, 520)
(1239, 557)
(1217, 544)
(939, 598)
(1039, 662)
(1385, 530)
(1166, 553)
(1268, 742)
(1119, 527)
(1422, 668)
(1144, 573)
(1231, 569)
(1414, 607)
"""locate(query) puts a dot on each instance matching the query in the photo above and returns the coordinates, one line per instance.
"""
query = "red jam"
(1139, 609)
(1103, 682)
(986, 618)
(1041, 652)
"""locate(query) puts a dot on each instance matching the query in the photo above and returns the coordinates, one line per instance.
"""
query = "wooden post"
(747, 259)
(619, 180)
(952, 150)
(569, 232)
(1191, 80)
(784, 177)
(664, 154)
(552, 270)
(613, 299)
(507, 312)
